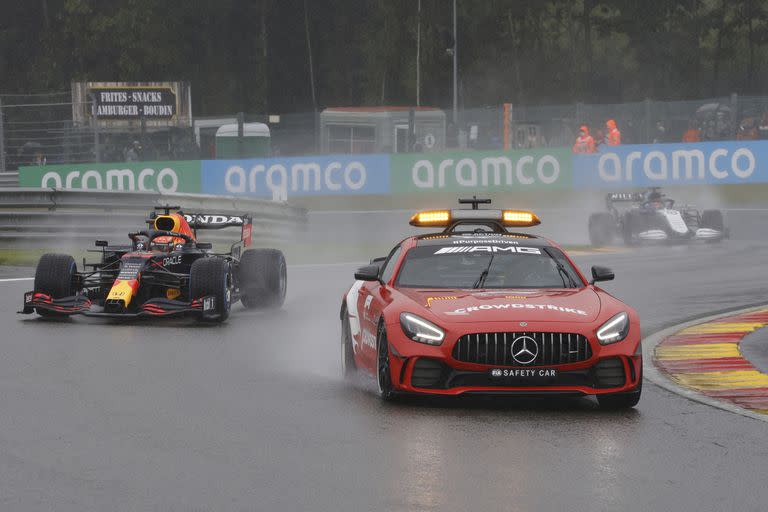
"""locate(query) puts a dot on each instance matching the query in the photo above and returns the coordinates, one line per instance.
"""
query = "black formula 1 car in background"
(653, 217)
(165, 271)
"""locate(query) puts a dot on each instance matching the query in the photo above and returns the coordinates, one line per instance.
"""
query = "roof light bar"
(446, 218)
(519, 218)
(440, 218)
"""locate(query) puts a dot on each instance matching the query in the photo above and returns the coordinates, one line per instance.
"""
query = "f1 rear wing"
(219, 221)
(620, 197)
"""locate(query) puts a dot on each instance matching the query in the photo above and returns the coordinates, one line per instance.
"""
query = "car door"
(373, 297)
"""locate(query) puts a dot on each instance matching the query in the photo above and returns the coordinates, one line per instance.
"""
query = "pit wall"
(727, 173)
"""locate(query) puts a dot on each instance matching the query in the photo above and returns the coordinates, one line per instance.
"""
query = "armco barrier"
(45, 217)
(9, 179)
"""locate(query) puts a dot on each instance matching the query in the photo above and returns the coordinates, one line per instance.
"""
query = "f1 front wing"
(81, 305)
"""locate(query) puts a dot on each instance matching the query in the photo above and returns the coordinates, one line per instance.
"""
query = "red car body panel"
(460, 312)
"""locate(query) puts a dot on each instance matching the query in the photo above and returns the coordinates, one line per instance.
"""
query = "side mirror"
(601, 274)
(367, 273)
(378, 261)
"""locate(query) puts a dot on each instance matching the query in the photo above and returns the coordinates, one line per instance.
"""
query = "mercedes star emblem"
(525, 349)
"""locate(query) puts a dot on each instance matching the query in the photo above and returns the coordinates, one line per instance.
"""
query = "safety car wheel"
(262, 278)
(600, 229)
(614, 401)
(212, 276)
(383, 369)
(54, 276)
(348, 366)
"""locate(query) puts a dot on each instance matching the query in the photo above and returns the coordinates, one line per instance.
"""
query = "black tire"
(616, 401)
(712, 219)
(383, 370)
(55, 276)
(627, 225)
(262, 278)
(348, 366)
(600, 229)
(212, 276)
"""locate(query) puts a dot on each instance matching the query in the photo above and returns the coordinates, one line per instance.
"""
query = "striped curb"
(706, 358)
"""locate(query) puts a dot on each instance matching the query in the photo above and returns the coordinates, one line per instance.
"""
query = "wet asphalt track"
(253, 416)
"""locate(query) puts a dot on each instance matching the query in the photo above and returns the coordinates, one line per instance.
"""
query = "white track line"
(654, 375)
(12, 279)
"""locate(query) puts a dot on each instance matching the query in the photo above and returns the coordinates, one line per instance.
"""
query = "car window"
(389, 267)
(509, 267)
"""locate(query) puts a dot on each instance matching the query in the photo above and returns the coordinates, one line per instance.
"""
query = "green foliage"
(252, 55)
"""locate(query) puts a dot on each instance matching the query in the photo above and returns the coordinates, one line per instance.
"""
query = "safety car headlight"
(615, 329)
(420, 330)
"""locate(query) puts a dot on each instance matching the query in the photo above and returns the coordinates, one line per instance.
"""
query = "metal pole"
(95, 118)
(2, 140)
(418, 55)
(455, 70)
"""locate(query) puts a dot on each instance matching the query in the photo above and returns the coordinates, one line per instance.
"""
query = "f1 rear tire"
(600, 229)
(54, 276)
(712, 219)
(212, 276)
(262, 278)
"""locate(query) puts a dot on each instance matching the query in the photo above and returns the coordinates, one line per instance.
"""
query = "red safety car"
(477, 309)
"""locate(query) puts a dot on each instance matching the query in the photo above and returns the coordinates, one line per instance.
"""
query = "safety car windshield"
(490, 266)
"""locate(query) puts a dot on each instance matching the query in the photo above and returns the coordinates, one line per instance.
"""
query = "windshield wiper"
(564, 274)
(481, 280)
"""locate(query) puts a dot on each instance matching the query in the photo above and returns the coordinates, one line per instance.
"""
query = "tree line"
(279, 56)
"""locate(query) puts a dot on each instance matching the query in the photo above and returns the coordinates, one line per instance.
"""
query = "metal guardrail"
(9, 179)
(46, 217)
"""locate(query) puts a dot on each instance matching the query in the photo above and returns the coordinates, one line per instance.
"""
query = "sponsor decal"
(172, 260)
(369, 339)
(511, 305)
(283, 177)
(489, 248)
(172, 293)
(209, 303)
(456, 171)
(523, 372)
(163, 177)
(352, 313)
(214, 220)
(367, 308)
(669, 164)
(129, 270)
(485, 241)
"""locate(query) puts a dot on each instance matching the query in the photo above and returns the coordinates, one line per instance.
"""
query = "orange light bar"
(432, 218)
(519, 218)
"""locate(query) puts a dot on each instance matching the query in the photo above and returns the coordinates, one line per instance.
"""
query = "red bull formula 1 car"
(165, 271)
(477, 309)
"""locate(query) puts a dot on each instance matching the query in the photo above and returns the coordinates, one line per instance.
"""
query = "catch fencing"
(39, 129)
(51, 217)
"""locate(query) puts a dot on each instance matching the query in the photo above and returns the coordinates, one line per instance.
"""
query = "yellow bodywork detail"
(702, 351)
(737, 379)
(121, 291)
(172, 293)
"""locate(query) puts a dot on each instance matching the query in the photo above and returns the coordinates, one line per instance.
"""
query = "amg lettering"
(490, 249)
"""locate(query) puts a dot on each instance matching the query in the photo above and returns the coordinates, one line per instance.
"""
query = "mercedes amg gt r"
(478, 309)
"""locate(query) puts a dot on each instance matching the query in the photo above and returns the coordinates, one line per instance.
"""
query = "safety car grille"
(495, 348)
